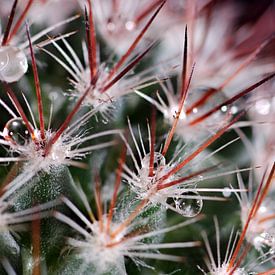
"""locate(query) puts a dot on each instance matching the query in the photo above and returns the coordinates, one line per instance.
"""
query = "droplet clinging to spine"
(16, 131)
(189, 204)
(13, 64)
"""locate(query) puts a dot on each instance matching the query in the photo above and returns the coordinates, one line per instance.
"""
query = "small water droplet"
(224, 108)
(174, 110)
(111, 26)
(16, 131)
(130, 25)
(226, 192)
(263, 209)
(195, 110)
(189, 204)
(105, 121)
(263, 106)
(13, 64)
(234, 110)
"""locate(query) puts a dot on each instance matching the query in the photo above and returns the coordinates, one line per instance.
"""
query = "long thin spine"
(132, 216)
(99, 203)
(182, 179)
(134, 44)
(36, 247)
(91, 42)
(37, 88)
(8, 28)
(200, 149)
(152, 142)
(126, 69)
(213, 91)
(67, 121)
(183, 94)
(116, 188)
(176, 120)
(260, 195)
(232, 99)
(147, 11)
(19, 22)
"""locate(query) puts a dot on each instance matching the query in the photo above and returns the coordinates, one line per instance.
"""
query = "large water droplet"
(189, 204)
(16, 131)
(13, 64)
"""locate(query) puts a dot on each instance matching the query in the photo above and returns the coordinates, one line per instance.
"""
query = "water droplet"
(195, 110)
(130, 25)
(226, 192)
(105, 121)
(263, 106)
(174, 111)
(189, 204)
(16, 131)
(224, 108)
(111, 26)
(13, 64)
(263, 209)
(234, 110)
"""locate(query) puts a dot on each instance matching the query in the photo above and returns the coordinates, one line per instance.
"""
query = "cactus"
(127, 127)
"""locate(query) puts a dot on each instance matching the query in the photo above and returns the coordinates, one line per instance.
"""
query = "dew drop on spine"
(16, 131)
(13, 64)
(189, 204)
